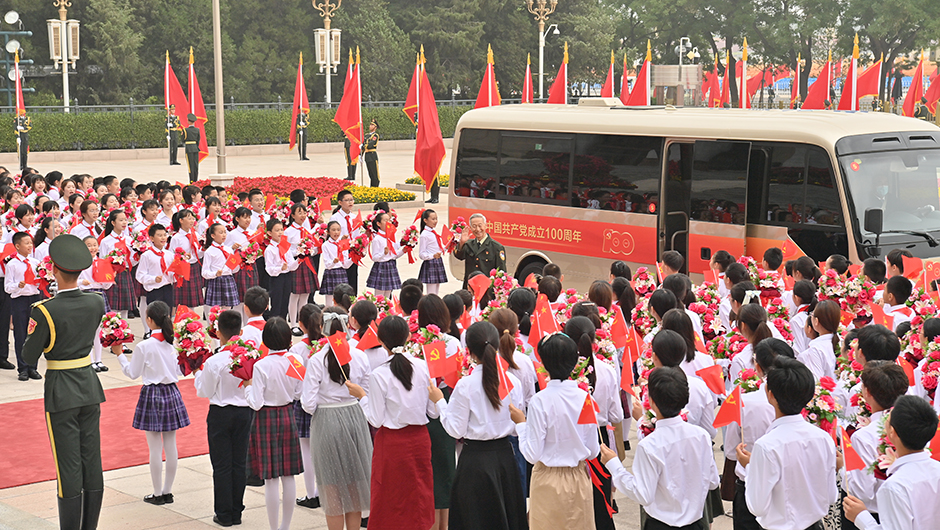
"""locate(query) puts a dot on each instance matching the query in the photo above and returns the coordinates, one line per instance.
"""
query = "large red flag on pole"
(173, 93)
(869, 80)
(198, 108)
(528, 94)
(607, 91)
(301, 103)
(795, 87)
(849, 100)
(489, 92)
(349, 112)
(726, 84)
(624, 83)
(20, 103)
(640, 95)
(744, 100)
(916, 90)
(411, 100)
(933, 95)
(818, 92)
(712, 88)
(558, 93)
(429, 147)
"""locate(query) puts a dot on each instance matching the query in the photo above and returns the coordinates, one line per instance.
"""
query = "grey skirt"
(342, 458)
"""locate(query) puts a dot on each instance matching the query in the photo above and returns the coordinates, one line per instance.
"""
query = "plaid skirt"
(246, 277)
(332, 278)
(273, 449)
(160, 408)
(121, 295)
(305, 280)
(107, 307)
(138, 288)
(302, 419)
(384, 276)
(190, 293)
(222, 291)
(432, 271)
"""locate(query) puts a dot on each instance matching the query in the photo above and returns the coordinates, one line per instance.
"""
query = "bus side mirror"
(874, 220)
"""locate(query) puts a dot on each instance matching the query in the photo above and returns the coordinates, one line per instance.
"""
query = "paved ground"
(34, 506)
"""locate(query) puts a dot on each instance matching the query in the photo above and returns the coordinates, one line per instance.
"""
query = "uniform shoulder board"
(39, 303)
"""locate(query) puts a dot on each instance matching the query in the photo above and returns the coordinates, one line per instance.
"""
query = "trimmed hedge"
(145, 129)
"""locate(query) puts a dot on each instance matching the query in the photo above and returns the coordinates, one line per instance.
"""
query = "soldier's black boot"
(70, 513)
(91, 508)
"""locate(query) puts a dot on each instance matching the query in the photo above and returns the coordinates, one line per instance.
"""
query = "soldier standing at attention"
(303, 119)
(22, 125)
(173, 128)
(350, 162)
(482, 253)
(370, 156)
(191, 137)
(63, 329)
(923, 112)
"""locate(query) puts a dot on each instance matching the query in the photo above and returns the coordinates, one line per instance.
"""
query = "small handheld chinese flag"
(436, 355)
(852, 460)
(713, 378)
(730, 410)
(788, 282)
(699, 345)
(181, 269)
(908, 370)
(446, 237)
(912, 267)
(619, 330)
(933, 271)
(340, 347)
(296, 369)
(879, 317)
(626, 378)
(854, 270)
(258, 236)
(269, 201)
(464, 321)
(505, 385)
(530, 282)
(234, 260)
(370, 339)
(357, 222)
(342, 245)
(935, 445)
(632, 349)
(847, 318)
(102, 271)
(182, 312)
(479, 284)
(588, 414)
(323, 204)
(282, 247)
(542, 376)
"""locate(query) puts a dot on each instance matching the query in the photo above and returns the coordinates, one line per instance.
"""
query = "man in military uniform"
(22, 125)
(482, 253)
(923, 112)
(303, 119)
(191, 138)
(350, 162)
(371, 157)
(63, 328)
(173, 128)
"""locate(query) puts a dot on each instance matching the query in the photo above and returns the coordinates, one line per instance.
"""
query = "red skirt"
(402, 480)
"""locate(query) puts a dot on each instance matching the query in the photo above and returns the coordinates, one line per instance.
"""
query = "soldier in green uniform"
(173, 129)
(22, 125)
(923, 112)
(191, 138)
(63, 328)
(350, 162)
(371, 157)
(303, 119)
(482, 253)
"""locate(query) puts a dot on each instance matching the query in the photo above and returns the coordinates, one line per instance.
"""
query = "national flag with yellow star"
(198, 108)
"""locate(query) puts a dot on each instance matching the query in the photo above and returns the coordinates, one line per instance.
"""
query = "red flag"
(933, 95)
(699, 345)
(102, 271)
(370, 339)
(607, 91)
(282, 247)
(324, 204)
(340, 347)
(20, 103)
(818, 92)
(932, 269)
(173, 93)
(640, 95)
(530, 282)
(396, 306)
(588, 414)
(632, 349)
(342, 245)
(411, 100)
(464, 320)
(181, 269)
(935, 445)
(436, 355)
(540, 374)
(730, 410)
(713, 378)
(198, 108)
(269, 201)
(908, 369)
(258, 236)
(452, 378)
(916, 90)
(489, 92)
(726, 86)
(879, 316)
(544, 320)
(505, 385)
(301, 103)
(357, 221)
(626, 378)
(478, 285)
(849, 99)
(912, 267)
(234, 260)
(711, 88)
(558, 93)
(349, 112)
(429, 146)
(847, 318)
(182, 312)
(528, 94)
(296, 369)
(619, 330)
(849, 455)
(446, 237)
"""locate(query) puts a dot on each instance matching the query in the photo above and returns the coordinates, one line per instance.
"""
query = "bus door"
(704, 200)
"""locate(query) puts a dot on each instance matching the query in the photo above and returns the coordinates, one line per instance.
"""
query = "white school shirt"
(273, 263)
(379, 248)
(756, 414)
(861, 482)
(901, 313)
(673, 471)
(237, 236)
(53, 193)
(798, 329)
(252, 332)
(343, 218)
(607, 393)
(819, 357)
(42, 250)
(270, 384)
(551, 434)
(427, 244)
(149, 269)
(792, 475)
(696, 323)
(293, 235)
(165, 220)
(86, 275)
(722, 288)
(257, 219)
(154, 362)
(216, 382)
(701, 361)
(742, 361)
(469, 413)
(143, 226)
(301, 350)
(213, 261)
(525, 373)
(724, 312)
(181, 240)
(376, 355)
(318, 389)
(109, 242)
(329, 251)
(16, 273)
(83, 230)
(908, 499)
(701, 406)
(390, 405)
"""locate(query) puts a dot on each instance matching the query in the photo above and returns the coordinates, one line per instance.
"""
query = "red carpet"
(27, 457)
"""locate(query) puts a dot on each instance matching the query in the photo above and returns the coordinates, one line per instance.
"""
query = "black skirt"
(487, 490)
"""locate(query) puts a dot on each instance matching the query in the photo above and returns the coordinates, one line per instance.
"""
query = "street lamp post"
(327, 43)
(542, 9)
(63, 45)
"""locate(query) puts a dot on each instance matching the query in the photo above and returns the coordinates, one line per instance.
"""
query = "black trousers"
(436, 189)
(846, 524)
(302, 144)
(193, 160)
(174, 144)
(164, 294)
(24, 151)
(76, 448)
(228, 429)
(279, 290)
(372, 164)
(656, 524)
(351, 171)
(20, 309)
(743, 518)
(4, 320)
(352, 276)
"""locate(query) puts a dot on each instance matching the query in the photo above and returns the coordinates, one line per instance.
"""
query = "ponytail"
(755, 317)
(159, 312)
(582, 330)
(481, 336)
(506, 325)
(394, 333)
(507, 346)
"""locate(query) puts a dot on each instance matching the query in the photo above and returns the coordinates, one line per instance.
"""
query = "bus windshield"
(905, 184)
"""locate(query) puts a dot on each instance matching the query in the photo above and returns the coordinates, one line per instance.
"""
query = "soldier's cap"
(923, 100)
(69, 253)
(191, 118)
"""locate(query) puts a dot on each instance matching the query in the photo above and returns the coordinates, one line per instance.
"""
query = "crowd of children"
(503, 406)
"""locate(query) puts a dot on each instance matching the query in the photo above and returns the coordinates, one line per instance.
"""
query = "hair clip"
(749, 295)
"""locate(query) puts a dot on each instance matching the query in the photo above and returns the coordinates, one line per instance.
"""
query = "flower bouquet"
(769, 284)
(415, 347)
(409, 240)
(642, 316)
(281, 209)
(643, 282)
(369, 223)
(130, 211)
(118, 260)
(859, 292)
(822, 410)
(931, 368)
(580, 374)
(886, 451)
(456, 228)
(749, 380)
(114, 330)
(191, 341)
(140, 242)
(320, 232)
(779, 316)
(726, 346)
(213, 318)
(359, 247)
(831, 286)
(562, 309)
(9, 219)
(251, 252)
(244, 355)
(44, 274)
(382, 304)
(308, 245)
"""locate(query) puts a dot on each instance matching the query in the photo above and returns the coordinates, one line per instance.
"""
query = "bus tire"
(534, 265)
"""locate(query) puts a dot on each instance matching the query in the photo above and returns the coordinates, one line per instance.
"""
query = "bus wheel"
(532, 267)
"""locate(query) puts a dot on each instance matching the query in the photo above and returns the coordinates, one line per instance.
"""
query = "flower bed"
(443, 180)
(282, 185)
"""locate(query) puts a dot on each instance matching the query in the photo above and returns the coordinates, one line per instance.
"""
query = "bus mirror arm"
(874, 223)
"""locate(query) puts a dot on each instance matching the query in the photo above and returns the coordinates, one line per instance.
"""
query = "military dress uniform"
(371, 157)
(22, 125)
(303, 119)
(350, 162)
(191, 138)
(173, 129)
(63, 329)
(483, 257)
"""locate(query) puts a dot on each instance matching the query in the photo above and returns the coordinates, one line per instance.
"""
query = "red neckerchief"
(193, 241)
(91, 228)
(222, 248)
(157, 335)
(159, 254)
(257, 324)
(803, 309)
(440, 243)
(348, 226)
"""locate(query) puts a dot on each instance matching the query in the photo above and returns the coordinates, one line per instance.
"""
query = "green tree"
(113, 41)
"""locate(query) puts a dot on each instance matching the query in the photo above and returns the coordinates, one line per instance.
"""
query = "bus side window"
(476, 163)
(617, 172)
(719, 182)
(785, 184)
(822, 197)
(534, 167)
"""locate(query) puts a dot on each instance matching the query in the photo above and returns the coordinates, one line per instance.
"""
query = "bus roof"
(592, 115)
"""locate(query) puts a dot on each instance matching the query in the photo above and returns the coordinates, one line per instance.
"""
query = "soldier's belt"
(370, 150)
(193, 143)
(70, 364)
